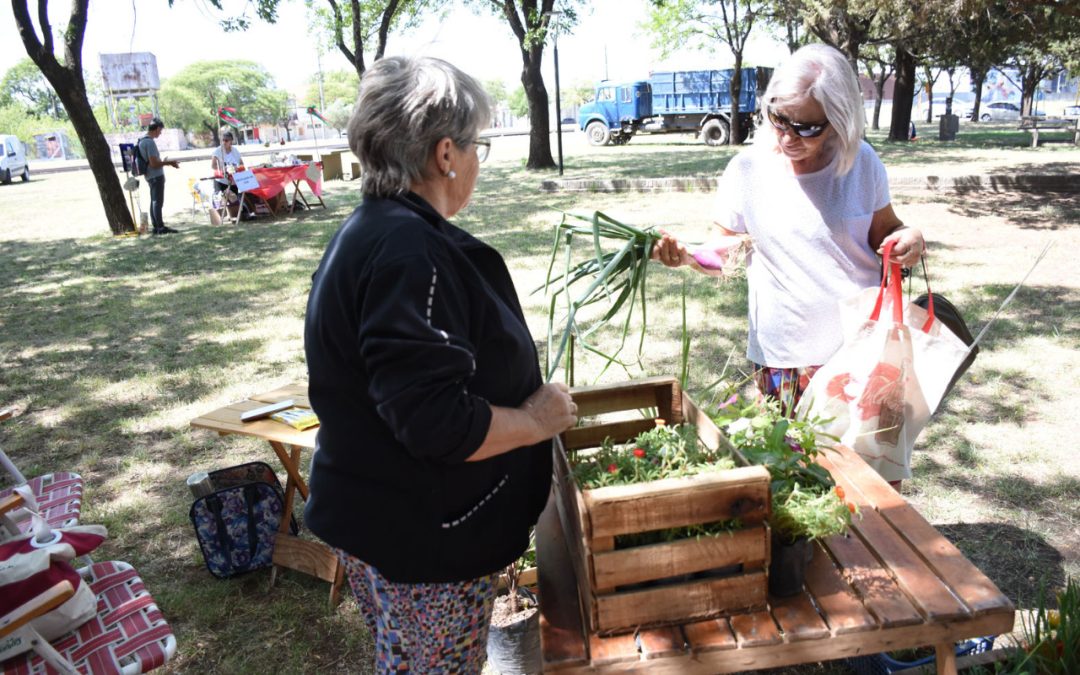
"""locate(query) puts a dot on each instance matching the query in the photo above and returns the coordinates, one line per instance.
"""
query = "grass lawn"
(108, 347)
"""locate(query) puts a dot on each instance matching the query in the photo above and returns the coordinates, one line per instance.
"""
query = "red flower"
(851, 507)
(839, 492)
(639, 453)
(613, 468)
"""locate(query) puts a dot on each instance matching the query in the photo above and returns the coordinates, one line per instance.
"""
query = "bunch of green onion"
(614, 274)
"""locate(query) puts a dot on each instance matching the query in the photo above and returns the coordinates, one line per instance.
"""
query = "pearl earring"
(451, 175)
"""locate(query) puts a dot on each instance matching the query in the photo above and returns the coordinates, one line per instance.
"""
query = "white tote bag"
(879, 390)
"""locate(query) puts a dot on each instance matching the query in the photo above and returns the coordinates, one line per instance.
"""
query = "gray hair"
(822, 73)
(406, 106)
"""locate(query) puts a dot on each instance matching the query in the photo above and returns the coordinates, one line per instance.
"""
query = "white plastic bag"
(880, 389)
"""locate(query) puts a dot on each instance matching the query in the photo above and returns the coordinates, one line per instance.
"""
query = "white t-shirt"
(226, 158)
(810, 249)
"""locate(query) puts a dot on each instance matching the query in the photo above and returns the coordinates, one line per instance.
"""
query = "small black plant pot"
(787, 566)
(515, 649)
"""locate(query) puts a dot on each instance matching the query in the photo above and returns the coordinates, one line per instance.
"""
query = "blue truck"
(697, 101)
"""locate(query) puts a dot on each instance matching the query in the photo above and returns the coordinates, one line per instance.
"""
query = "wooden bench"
(893, 582)
(1036, 125)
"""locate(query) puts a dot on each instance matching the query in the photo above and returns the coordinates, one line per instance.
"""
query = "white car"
(1000, 111)
(1072, 111)
(13, 159)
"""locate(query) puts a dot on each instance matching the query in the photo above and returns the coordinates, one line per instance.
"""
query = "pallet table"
(893, 582)
(290, 551)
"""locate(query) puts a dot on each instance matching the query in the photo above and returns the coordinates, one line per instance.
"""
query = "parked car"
(13, 159)
(1000, 111)
(1072, 111)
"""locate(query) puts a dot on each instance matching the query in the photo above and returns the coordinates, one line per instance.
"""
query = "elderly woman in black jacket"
(433, 458)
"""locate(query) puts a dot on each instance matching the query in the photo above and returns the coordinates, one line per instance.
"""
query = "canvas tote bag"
(878, 391)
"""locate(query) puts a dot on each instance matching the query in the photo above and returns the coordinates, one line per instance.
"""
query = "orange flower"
(851, 507)
(839, 492)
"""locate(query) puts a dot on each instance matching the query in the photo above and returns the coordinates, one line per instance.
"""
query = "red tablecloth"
(275, 179)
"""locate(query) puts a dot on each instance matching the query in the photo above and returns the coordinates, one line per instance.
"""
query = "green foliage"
(662, 452)
(24, 85)
(1051, 637)
(191, 98)
(702, 24)
(338, 85)
(805, 501)
(518, 102)
(496, 89)
(338, 113)
(329, 27)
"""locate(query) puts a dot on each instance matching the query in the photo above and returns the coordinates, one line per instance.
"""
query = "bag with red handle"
(878, 391)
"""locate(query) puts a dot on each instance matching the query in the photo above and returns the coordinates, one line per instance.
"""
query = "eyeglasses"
(802, 130)
(483, 148)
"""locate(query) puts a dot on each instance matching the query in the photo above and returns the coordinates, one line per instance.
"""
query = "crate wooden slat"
(663, 583)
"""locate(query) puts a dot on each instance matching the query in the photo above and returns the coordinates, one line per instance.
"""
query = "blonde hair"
(406, 105)
(821, 73)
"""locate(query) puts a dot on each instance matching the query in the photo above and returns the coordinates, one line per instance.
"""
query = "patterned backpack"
(237, 523)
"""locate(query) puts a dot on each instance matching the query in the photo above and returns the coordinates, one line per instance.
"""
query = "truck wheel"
(5, 177)
(26, 174)
(598, 133)
(715, 132)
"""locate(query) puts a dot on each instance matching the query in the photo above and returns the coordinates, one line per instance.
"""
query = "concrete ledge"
(1069, 183)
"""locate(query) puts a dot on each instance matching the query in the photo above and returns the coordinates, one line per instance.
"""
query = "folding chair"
(128, 635)
(58, 496)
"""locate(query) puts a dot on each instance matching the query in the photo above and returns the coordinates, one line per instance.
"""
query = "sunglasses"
(483, 148)
(800, 129)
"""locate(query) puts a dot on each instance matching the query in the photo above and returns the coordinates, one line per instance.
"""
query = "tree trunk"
(539, 120)
(903, 93)
(978, 77)
(735, 137)
(73, 95)
(879, 93)
(67, 82)
(1029, 85)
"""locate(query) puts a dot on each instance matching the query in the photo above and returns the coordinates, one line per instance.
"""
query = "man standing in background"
(155, 174)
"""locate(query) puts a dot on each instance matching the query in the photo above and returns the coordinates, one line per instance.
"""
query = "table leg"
(945, 658)
(239, 208)
(291, 461)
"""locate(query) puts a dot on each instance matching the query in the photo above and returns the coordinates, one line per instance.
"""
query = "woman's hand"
(909, 246)
(669, 251)
(551, 409)
(548, 411)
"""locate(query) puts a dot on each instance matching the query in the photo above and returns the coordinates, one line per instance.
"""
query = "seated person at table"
(226, 161)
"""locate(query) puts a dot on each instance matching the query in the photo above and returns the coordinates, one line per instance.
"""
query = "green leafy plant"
(662, 452)
(806, 502)
(1051, 637)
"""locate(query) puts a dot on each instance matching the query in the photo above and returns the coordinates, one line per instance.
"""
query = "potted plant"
(514, 634)
(806, 502)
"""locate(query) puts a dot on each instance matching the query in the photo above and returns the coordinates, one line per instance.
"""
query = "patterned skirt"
(423, 628)
(783, 384)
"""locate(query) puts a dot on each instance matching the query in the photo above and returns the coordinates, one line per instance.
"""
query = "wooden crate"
(650, 585)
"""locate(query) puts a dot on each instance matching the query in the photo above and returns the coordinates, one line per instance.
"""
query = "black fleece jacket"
(413, 328)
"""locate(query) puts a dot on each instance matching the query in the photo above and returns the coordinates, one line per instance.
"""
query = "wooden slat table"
(893, 582)
(290, 551)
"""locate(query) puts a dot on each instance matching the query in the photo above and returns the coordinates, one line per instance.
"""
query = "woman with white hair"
(433, 458)
(813, 198)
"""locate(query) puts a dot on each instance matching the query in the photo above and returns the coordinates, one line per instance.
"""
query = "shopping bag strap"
(892, 280)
